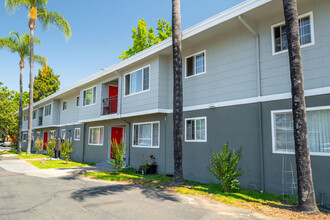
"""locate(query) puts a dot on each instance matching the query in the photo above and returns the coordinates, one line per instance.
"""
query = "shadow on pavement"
(92, 192)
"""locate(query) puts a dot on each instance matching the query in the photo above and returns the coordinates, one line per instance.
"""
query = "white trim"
(273, 112)
(74, 134)
(185, 128)
(89, 133)
(194, 55)
(142, 91)
(66, 101)
(308, 14)
(50, 104)
(145, 123)
(93, 103)
(62, 135)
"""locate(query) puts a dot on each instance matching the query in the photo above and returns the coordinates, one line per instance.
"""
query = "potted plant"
(152, 169)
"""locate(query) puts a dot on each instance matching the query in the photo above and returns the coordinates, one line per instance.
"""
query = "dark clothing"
(58, 148)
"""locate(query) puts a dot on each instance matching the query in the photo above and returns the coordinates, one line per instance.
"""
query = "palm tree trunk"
(306, 194)
(20, 114)
(32, 27)
(177, 92)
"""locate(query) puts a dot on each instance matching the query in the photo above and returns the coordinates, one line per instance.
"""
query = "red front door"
(113, 99)
(117, 134)
(45, 140)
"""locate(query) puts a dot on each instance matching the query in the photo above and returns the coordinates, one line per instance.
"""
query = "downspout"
(260, 129)
(120, 118)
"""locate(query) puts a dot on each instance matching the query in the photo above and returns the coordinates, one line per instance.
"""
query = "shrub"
(118, 151)
(38, 145)
(51, 148)
(66, 149)
(224, 166)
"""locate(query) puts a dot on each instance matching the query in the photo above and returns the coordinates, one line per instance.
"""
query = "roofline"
(226, 15)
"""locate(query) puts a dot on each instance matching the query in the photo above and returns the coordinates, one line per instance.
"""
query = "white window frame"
(25, 117)
(34, 114)
(65, 101)
(185, 128)
(274, 112)
(144, 123)
(50, 133)
(136, 93)
(24, 140)
(62, 134)
(74, 135)
(308, 14)
(77, 106)
(89, 133)
(93, 101)
(50, 110)
(194, 55)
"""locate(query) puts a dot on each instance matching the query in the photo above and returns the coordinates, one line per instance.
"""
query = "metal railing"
(109, 105)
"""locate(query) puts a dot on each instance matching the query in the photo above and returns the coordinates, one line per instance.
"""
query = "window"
(77, 134)
(196, 64)
(64, 105)
(196, 129)
(25, 117)
(24, 137)
(63, 133)
(318, 124)
(137, 81)
(52, 134)
(78, 101)
(89, 96)
(34, 114)
(146, 134)
(96, 135)
(306, 31)
(48, 109)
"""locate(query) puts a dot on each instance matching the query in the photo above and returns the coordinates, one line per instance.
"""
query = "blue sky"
(101, 30)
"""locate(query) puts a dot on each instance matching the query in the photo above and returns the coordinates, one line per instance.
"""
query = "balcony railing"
(40, 121)
(109, 105)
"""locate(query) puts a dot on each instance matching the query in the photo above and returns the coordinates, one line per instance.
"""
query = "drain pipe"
(123, 120)
(260, 129)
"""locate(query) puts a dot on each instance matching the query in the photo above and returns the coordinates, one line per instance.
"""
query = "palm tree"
(21, 45)
(37, 10)
(306, 194)
(177, 92)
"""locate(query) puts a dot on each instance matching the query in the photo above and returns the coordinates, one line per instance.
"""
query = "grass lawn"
(57, 164)
(266, 203)
(31, 156)
(13, 151)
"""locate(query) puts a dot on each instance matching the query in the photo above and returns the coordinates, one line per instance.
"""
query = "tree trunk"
(177, 92)
(32, 27)
(306, 194)
(20, 114)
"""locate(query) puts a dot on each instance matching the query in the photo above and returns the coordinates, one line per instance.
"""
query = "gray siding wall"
(94, 110)
(146, 100)
(71, 114)
(275, 70)
(56, 112)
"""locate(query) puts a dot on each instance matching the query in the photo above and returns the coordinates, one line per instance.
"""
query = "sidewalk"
(12, 164)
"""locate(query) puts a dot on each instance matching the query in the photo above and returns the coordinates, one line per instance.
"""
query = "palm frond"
(40, 59)
(47, 18)
(12, 5)
(9, 43)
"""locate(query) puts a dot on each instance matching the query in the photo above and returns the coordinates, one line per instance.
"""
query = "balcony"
(40, 121)
(109, 105)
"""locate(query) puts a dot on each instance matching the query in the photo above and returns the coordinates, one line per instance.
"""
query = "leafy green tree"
(25, 98)
(118, 152)
(66, 149)
(37, 10)
(51, 148)
(38, 145)
(45, 83)
(224, 166)
(8, 119)
(144, 37)
(20, 45)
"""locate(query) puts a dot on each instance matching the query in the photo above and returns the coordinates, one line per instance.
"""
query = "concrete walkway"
(12, 164)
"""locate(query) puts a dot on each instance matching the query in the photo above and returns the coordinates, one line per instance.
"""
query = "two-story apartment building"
(236, 88)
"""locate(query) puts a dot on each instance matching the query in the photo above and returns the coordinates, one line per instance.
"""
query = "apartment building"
(236, 87)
